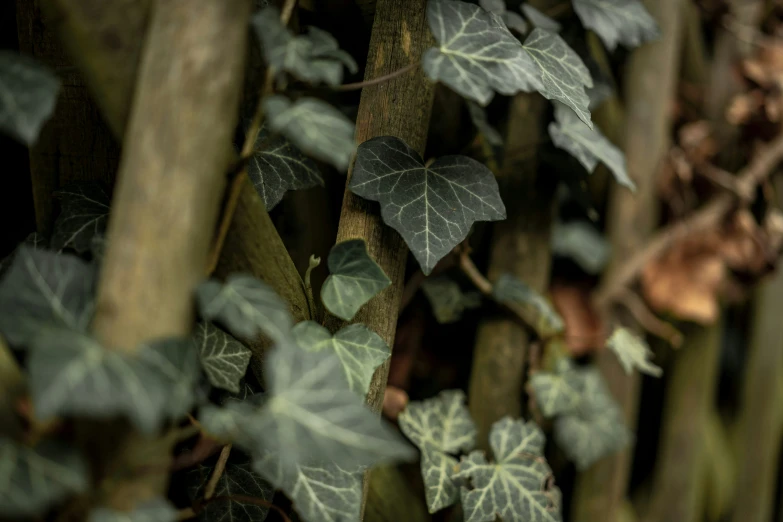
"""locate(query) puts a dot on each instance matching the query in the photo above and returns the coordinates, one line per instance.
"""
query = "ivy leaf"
(315, 127)
(323, 493)
(84, 214)
(72, 374)
(596, 429)
(238, 479)
(359, 349)
(618, 21)
(277, 167)
(34, 240)
(560, 392)
(447, 298)
(310, 414)
(155, 510)
(581, 242)
(511, 19)
(539, 19)
(432, 207)
(535, 309)
(632, 352)
(479, 118)
(440, 427)
(587, 145)
(28, 94)
(354, 278)
(223, 358)
(563, 74)
(246, 306)
(44, 290)
(315, 57)
(477, 56)
(516, 487)
(35, 479)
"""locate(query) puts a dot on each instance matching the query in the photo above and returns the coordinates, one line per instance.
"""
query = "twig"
(376, 81)
(704, 219)
(648, 320)
(473, 273)
(220, 467)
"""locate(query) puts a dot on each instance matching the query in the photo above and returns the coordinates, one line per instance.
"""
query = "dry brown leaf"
(697, 141)
(584, 330)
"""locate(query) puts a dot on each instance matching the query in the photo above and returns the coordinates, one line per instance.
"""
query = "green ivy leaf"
(34, 240)
(310, 414)
(277, 167)
(315, 127)
(84, 214)
(314, 57)
(72, 374)
(560, 392)
(359, 349)
(223, 358)
(587, 145)
(596, 429)
(563, 74)
(536, 310)
(477, 56)
(32, 480)
(580, 241)
(28, 94)
(354, 278)
(447, 298)
(479, 118)
(155, 510)
(440, 427)
(246, 306)
(632, 352)
(432, 207)
(322, 493)
(539, 19)
(238, 479)
(44, 290)
(512, 20)
(516, 487)
(618, 21)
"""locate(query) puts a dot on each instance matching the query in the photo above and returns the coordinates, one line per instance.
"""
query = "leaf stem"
(220, 467)
(376, 81)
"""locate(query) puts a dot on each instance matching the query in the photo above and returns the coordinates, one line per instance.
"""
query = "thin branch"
(476, 277)
(220, 467)
(648, 320)
(375, 81)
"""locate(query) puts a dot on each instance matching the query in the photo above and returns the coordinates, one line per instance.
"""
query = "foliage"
(533, 307)
(28, 92)
(447, 298)
(224, 358)
(632, 352)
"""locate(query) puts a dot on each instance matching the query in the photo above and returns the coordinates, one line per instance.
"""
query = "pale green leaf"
(83, 216)
(587, 145)
(536, 310)
(32, 480)
(624, 22)
(517, 487)
(539, 19)
(314, 127)
(354, 278)
(359, 349)
(479, 118)
(512, 20)
(72, 374)
(33, 240)
(447, 298)
(563, 75)
(432, 207)
(441, 428)
(477, 56)
(632, 352)
(581, 242)
(28, 94)
(277, 167)
(43, 290)
(246, 306)
(223, 358)
(560, 392)
(156, 510)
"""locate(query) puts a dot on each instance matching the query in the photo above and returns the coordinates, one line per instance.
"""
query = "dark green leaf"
(44, 290)
(28, 93)
(84, 214)
(432, 207)
(354, 278)
(560, 392)
(447, 298)
(539, 19)
(155, 510)
(440, 427)
(359, 349)
(32, 480)
(277, 167)
(563, 74)
(477, 56)
(581, 242)
(479, 118)
(315, 127)
(223, 358)
(587, 145)
(618, 21)
(537, 312)
(632, 352)
(517, 486)
(34, 240)
(72, 374)
(246, 306)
